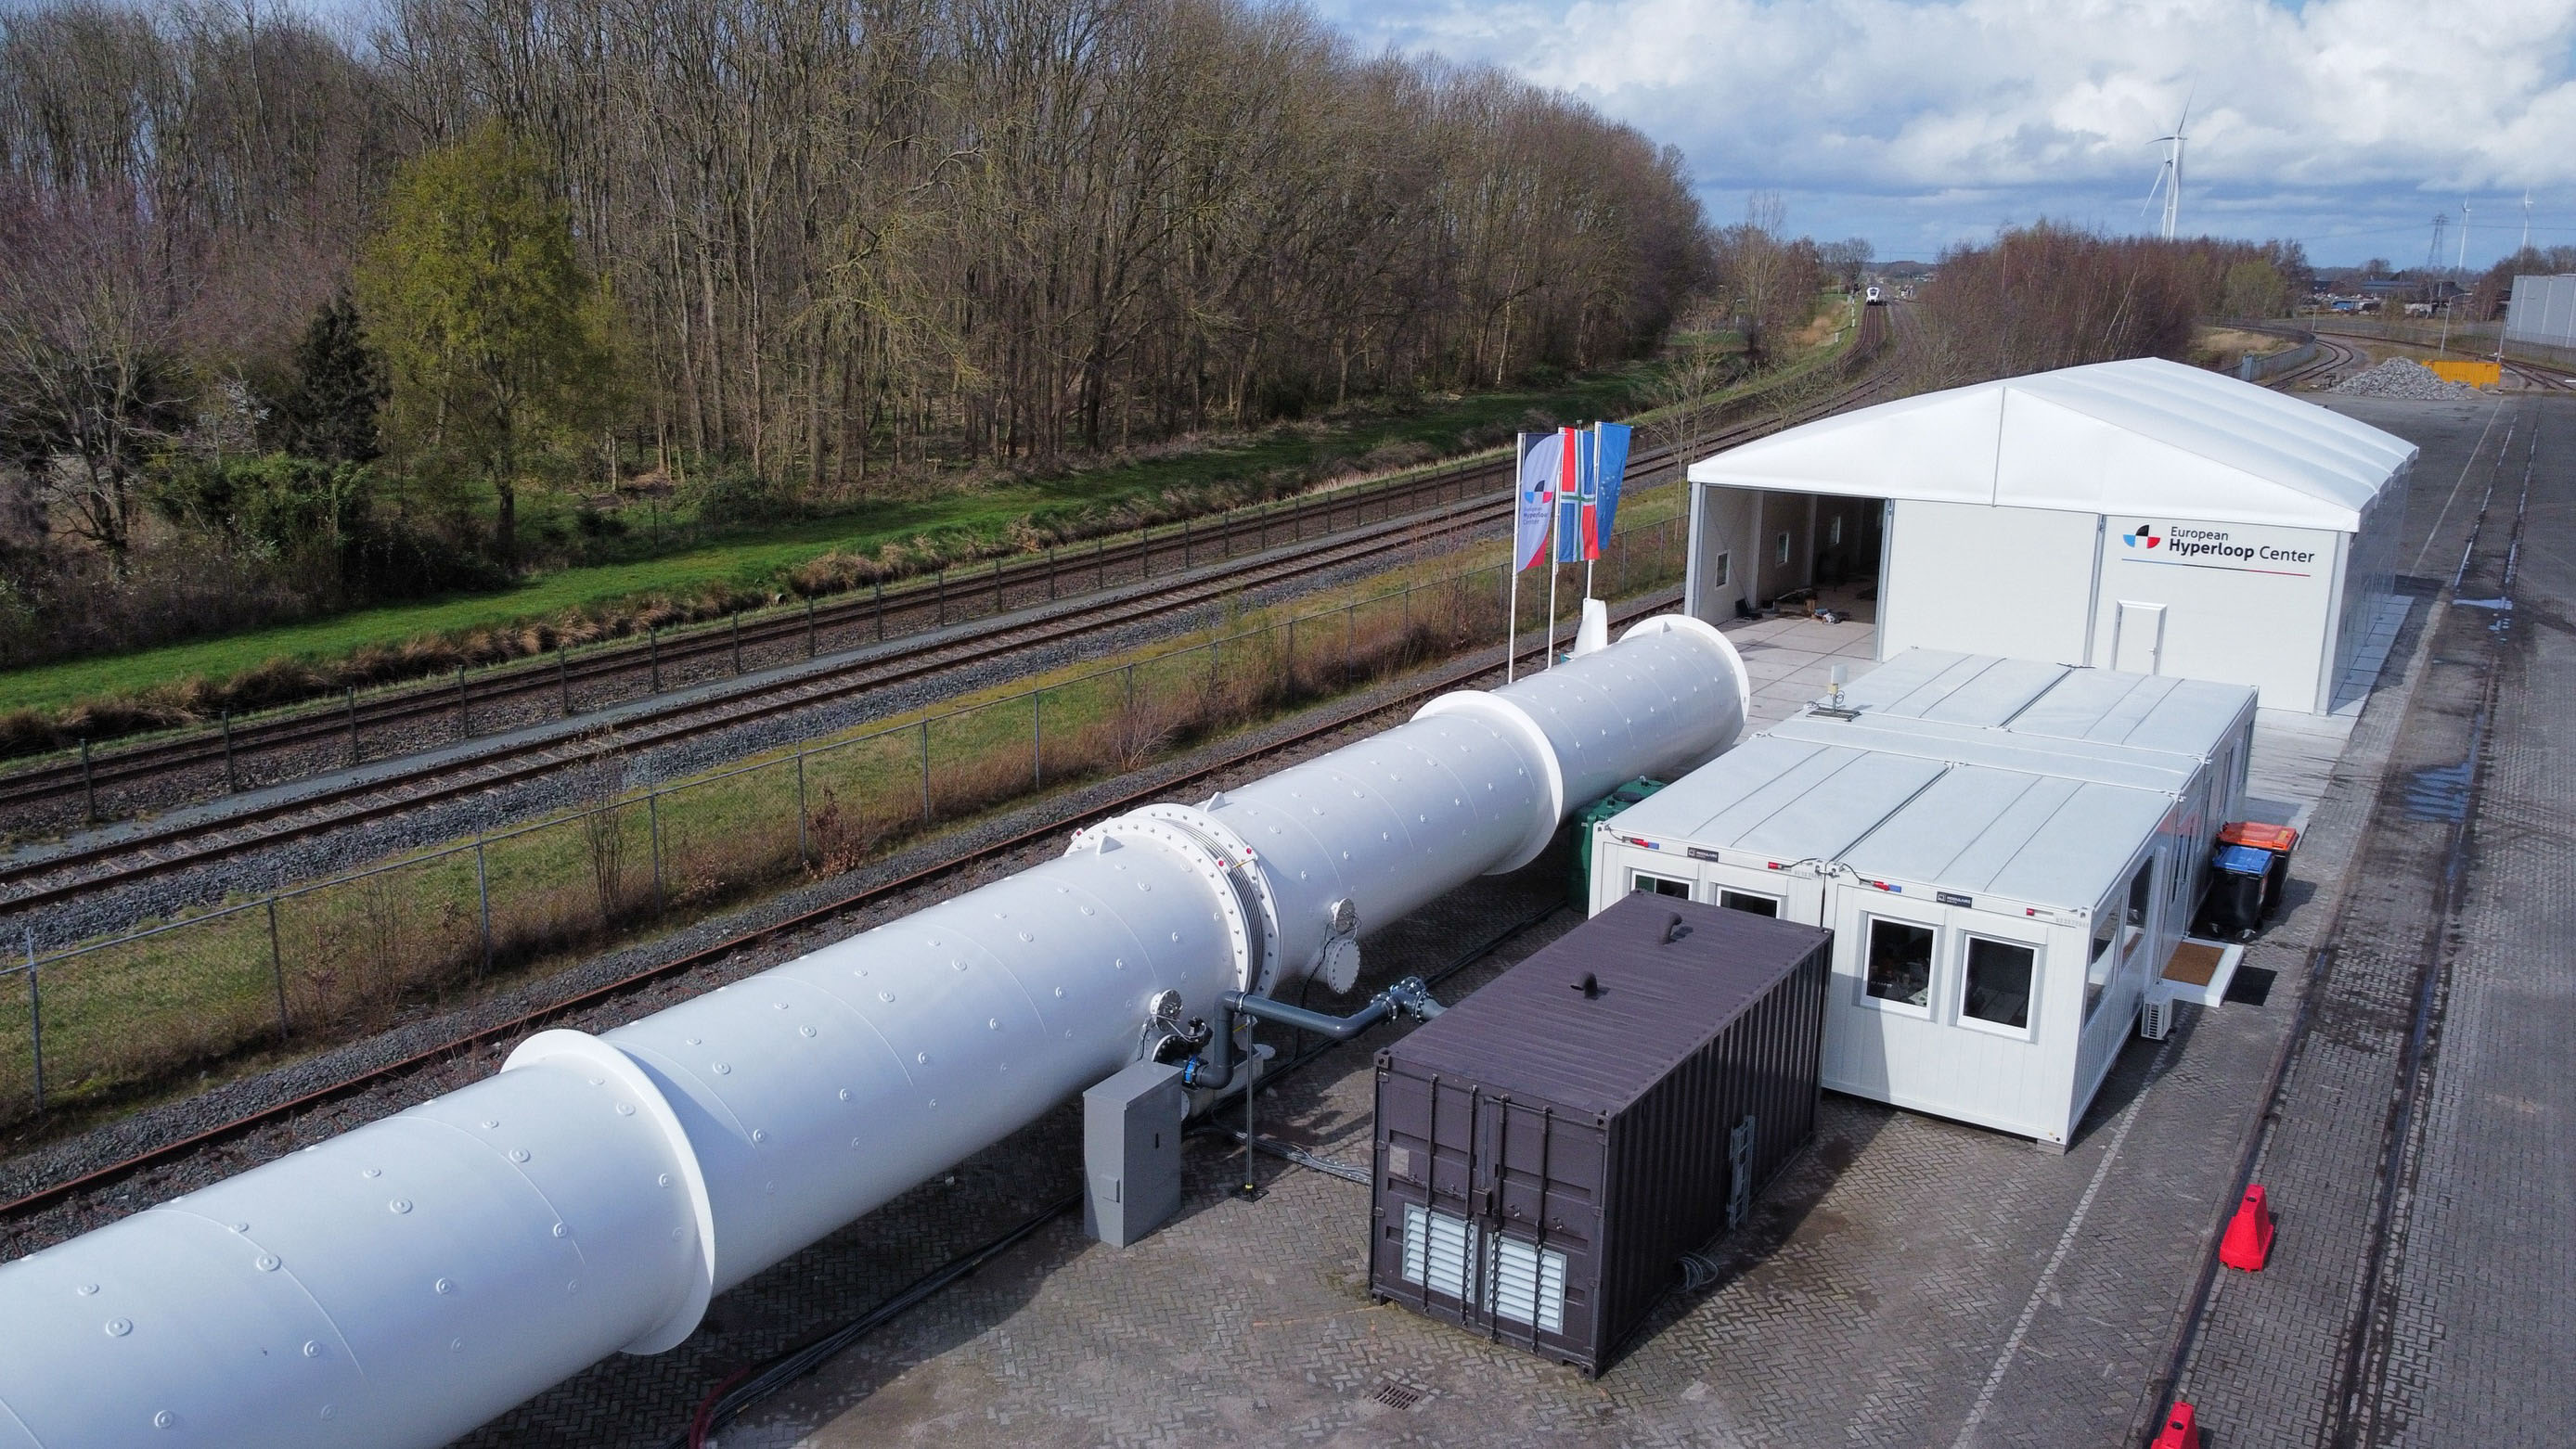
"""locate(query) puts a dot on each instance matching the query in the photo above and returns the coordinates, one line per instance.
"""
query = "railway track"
(336, 1096)
(2332, 356)
(561, 686)
(1474, 499)
(2533, 376)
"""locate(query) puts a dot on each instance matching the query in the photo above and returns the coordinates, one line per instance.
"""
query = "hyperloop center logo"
(2144, 537)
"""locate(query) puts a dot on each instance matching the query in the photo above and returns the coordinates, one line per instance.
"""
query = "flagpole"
(1512, 623)
(1556, 536)
(1552, 572)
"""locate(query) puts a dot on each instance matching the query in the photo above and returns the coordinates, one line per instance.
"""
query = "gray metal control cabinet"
(1131, 1152)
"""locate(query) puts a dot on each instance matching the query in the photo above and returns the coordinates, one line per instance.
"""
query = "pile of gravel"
(2398, 377)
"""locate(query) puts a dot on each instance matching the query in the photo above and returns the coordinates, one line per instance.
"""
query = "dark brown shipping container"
(1549, 1148)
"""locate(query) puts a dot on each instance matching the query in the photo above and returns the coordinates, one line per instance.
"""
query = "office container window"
(1749, 903)
(1900, 962)
(1658, 885)
(1720, 571)
(1999, 977)
(2099, 965)
(1783, 547)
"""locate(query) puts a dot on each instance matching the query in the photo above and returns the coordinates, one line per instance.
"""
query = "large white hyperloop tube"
(403, 1283)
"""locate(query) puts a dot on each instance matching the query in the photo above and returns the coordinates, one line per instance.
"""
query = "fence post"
(35, 1020)
(1037, 739)
(483, 895)
(89, 787)
(1050, 573)
(1346, 644)
(653, 816)
(997, 586)
(349, 693)
(232, 781)
(653, 647)
(563, 681)
(925, 769)
(809, 626)
(277, 969)
(1185, 543)
(939, 586)
(1292, 653)
(1100, 562)
(1131, 711)
(464, 711)
(880, 588)
(804, 851)
(736, 618)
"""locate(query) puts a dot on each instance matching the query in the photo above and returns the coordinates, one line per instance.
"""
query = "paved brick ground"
(1910, 1282)
(2429, 1305)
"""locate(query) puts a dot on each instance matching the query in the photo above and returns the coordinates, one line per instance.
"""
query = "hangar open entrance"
(1752, 548)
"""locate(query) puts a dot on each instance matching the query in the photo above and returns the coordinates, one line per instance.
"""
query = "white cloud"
(1939, 119)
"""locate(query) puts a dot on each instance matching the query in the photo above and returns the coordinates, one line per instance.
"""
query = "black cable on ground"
(746, 1387)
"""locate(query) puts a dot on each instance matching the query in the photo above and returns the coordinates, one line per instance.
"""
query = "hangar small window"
(1782, 548)
(1722, 571)
(1834, 532)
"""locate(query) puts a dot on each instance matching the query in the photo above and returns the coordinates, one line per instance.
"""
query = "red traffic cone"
(2249, 1233)
(2182, 1428)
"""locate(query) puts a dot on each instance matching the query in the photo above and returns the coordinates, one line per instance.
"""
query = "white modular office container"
(2008, 854)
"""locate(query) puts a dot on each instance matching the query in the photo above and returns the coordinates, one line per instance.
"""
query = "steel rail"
(1329, 720)
(926, 598)
(200, 842)
(67, 777)
(197, 843)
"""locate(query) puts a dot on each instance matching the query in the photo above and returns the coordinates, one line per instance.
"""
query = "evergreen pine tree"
(339, 386)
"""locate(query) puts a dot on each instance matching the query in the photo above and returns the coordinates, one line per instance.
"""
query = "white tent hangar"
(2140, 515)
(2008, 855)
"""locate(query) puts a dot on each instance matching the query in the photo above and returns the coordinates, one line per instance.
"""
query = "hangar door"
(1982, 580)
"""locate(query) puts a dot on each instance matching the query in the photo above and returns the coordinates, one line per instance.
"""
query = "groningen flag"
(1609, 466)
(1539, 467)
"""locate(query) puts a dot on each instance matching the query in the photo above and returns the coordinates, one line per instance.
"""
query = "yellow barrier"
(2475, 374)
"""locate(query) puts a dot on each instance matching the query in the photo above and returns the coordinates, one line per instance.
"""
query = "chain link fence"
(322, 962)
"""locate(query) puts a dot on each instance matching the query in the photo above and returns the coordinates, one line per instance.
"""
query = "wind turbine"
(2169, 176)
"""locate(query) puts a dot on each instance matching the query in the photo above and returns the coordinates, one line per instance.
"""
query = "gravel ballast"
(2401, 378)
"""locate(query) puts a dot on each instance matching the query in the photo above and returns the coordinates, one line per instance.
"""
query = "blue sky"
(2344, 123)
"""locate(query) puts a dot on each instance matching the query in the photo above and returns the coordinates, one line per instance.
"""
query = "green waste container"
(1579, 887)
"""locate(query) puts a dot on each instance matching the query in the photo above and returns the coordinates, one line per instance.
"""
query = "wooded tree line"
(823, 244)
(833, 232)
(2048, 296)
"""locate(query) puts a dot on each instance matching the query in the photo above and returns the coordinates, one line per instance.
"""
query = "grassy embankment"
(972, 521)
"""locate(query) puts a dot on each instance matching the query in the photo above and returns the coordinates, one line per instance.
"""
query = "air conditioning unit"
(2155, 1019)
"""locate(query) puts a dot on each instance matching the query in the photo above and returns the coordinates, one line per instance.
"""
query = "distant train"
(1874, 298)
